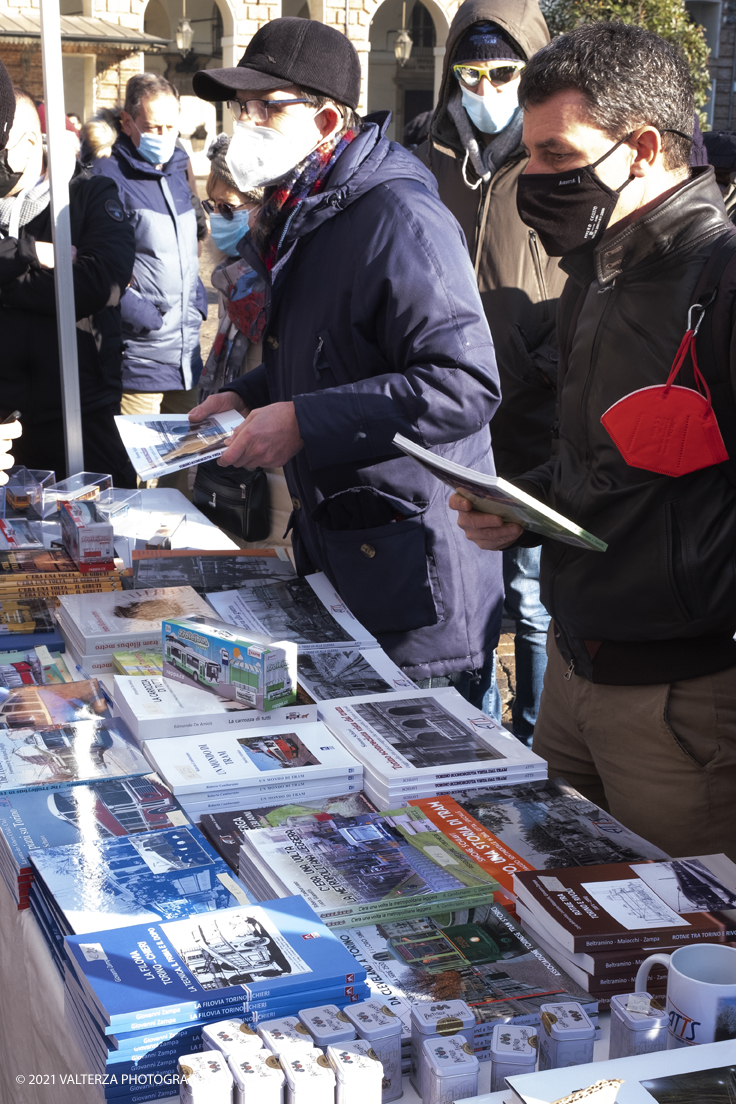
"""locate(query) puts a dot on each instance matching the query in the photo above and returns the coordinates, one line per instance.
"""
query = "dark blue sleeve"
(416, 293)
(252, 388)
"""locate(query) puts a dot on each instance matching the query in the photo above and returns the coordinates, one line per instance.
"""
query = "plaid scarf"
(306, 179)
(36, 199)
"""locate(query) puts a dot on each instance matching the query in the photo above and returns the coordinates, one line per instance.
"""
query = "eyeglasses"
(498, 75)
(223, 209)
(257, 110)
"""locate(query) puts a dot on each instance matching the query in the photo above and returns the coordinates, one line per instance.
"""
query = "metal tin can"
(206, 1078)
(566, 1036)
(285, 1035)
(231, 1037)
(358, 1072)
(450, 1070)
(258, 1077)
(636, 1032)
(327, 1025)
(381, 1027)
(437, 1019)
(513, 1050)
(310, 1079)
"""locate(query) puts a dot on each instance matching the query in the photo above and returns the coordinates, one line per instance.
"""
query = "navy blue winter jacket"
(166, 302)
(376, 326)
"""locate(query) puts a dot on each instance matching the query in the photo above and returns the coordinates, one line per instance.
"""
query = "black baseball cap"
(289, 51)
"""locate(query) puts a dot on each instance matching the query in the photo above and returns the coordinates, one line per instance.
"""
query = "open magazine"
(497, 496)
(161, 443)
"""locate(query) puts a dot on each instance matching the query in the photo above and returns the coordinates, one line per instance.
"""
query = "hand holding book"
(488, 531)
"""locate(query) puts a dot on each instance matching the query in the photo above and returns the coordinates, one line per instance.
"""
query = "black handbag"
(236, 499)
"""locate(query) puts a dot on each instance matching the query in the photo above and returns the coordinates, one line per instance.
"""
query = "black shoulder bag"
(236, 499)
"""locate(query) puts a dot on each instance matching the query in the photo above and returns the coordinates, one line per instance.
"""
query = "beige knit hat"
(220, 171)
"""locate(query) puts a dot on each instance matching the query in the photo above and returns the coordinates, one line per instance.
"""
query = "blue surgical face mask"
(226, 233)
(493, 112)
(158, 149)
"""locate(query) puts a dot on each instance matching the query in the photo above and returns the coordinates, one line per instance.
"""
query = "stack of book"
(226, 831)
(33, 667)
(119, 882)
(418, 743)
(386, 866)
(220, 771)
(96, 625)
(600, 922)
(77, 814)
(25, 621)
(156, 708)
(481, 956)
(137, 663)
(137, 998)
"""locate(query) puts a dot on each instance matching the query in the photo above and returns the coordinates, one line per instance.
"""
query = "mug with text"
(701, 993)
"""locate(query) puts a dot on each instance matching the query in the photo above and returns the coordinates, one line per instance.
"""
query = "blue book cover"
(170, 874)
(95, 811)
(63, 735)
(280, 947)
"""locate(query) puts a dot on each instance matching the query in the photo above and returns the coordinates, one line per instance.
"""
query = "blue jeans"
(523, 605)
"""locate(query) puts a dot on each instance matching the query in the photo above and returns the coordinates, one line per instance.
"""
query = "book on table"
(93, 811)
(196, 807)
(362, 869)
(497, 496)
(262, 758)
(63, 735)
(349, 672)
(206, 570)
(534, 826)
(306, 610)
(33, 667)
(159, 444)
(99, 623)
(226, 831)
(213, 960)
(634, 905)
(101, 884)
(157, 708)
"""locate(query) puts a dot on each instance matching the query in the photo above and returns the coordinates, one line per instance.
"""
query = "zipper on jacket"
(570, 671)
(242, 490)
(537, 262)
(315, 358)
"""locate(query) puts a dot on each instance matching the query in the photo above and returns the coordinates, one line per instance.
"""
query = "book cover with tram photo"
(225, 958)
(634, 905)
(162, 443)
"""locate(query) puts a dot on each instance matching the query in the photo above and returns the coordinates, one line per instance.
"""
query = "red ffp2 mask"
(668, 429)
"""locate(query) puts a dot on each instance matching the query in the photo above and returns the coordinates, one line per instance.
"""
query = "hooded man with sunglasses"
(374, 326)
(475, 152)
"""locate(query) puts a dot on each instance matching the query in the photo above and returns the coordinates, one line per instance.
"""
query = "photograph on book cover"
(208, 571)
(287, 609)
(26, 615)
(170, 442)
(277, 751)
(686, 885)
(424, 732)
(233, 948)
(710, 1086)
(550, 825)
(341, 674)
(633, 904)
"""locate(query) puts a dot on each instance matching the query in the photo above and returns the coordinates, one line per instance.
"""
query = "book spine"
(300, 779)
(8, 789)
(55, 590)
(655, 942)
(408, 911)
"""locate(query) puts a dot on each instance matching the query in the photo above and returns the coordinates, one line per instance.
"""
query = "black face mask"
(570, 211)
(8, 178)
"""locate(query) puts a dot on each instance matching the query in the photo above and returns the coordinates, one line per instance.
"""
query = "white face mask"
(493, 112)
(258, 155)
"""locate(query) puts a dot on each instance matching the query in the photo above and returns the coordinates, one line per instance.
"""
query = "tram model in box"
(225, 662)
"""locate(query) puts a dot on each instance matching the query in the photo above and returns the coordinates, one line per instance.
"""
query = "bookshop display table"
(34, 1038)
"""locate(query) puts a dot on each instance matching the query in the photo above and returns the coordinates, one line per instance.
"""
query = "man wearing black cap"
(375, 326)
(475, 152)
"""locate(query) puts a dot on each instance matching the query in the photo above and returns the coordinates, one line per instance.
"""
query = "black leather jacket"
(660, 604)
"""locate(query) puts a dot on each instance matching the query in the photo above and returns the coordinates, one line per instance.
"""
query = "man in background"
(165, 303)
(30, 376)
(475, 152)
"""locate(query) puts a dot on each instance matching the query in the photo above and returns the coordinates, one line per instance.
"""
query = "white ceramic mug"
(701, 993)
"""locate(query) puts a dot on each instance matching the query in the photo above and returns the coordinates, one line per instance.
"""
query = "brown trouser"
(661, 758)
